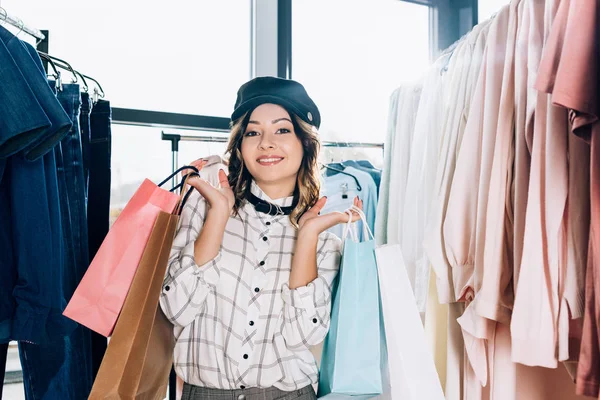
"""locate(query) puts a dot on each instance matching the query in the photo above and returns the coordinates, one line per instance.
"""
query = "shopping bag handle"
(351, 228)
(184, 196)
(167, 179)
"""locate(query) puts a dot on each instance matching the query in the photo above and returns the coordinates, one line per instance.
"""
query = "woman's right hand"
(221, 199)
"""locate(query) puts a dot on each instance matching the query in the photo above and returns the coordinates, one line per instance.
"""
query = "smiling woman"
(262, 260)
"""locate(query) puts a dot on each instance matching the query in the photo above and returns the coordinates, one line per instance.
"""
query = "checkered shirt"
(237, 322)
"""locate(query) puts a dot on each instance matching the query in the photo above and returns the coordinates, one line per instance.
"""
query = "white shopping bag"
(411, 367)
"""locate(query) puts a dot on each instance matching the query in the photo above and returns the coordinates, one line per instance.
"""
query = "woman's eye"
(283, 130)
(250, 133)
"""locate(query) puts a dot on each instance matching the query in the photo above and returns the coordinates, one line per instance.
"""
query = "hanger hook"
(101, 93)
(85, 85)
(21, 27)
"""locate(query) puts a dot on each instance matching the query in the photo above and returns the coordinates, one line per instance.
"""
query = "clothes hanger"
(85, 85)
(60, 63)
(57, 74)
(98, 91)
(344, 173)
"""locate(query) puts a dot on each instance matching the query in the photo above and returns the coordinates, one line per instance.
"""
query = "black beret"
(287, 93)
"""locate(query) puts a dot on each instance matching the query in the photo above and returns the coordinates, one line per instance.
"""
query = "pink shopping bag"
(100, 295)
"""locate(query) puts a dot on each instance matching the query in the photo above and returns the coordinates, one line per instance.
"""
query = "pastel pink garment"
(525, 98)
(570, 72)
(535, 325)
(464, 227)
(464, 69)
(494, 300)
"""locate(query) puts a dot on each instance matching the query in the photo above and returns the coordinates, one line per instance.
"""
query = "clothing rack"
(17, 23)
(175, 139)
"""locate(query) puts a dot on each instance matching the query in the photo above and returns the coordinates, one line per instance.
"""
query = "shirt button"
(315, 320)
(262, 263)
(268, 223)
(245, 356)
(167, 288)
(256, 289)
(242, 387)
(251, 323)
(265, 238)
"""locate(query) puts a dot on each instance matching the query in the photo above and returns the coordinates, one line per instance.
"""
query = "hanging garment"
(98, 205)
(571, 72)
(361, 165)
(494, 300)
(84, 124)
(421, 178)
(341, 190)
(436, 329)
(28, 121)
(35, 300)
(465, 224)
(576, 220)
(389, 225)
(464, 71)
(544, 271)
(383, 206)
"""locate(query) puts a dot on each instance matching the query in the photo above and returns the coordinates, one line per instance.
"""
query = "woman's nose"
(267, 143)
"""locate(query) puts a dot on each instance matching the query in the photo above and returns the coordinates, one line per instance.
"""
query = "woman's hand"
(314, 223)
(221, 199)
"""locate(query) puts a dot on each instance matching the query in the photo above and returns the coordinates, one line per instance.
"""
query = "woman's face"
(270, 148)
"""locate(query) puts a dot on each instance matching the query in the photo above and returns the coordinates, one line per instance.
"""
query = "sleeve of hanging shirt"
(307, 309)
(187, 284)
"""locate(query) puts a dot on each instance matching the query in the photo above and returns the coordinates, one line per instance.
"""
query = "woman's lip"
(268, 161)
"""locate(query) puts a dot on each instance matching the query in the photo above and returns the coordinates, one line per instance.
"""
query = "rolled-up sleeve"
(307, 309)
(187, 284)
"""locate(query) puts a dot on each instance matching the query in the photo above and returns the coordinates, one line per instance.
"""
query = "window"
(176, 56)
(154, 162)
(352, 55)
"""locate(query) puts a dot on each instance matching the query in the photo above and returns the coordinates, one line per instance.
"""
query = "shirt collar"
(283, 202)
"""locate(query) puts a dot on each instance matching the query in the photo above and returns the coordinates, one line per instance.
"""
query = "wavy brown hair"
(308, 184)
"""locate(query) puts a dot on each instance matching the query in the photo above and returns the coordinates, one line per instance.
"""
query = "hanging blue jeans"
(73, 202)
(22, 119)
(99, 197)
(84, 125)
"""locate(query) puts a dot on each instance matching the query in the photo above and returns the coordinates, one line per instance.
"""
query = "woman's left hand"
(312, 222)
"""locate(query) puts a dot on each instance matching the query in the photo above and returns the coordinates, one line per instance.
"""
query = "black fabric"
(3, 352)
(265, 207)
(285, 92)
(98, 211)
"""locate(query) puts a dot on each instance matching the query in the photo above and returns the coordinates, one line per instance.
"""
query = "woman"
(248, 286)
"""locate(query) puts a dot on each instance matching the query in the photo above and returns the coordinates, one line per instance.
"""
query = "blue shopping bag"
(354, 349)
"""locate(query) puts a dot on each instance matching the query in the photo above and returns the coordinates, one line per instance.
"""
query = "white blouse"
(237, 322)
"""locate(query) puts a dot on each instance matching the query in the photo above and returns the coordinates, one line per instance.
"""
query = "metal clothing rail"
(175, 139)
(17, 23)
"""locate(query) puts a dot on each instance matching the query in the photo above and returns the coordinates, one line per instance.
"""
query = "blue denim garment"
(47, 368)
(22, 118)
(37, 249)
(99, 197)
(47, 364)
(8, 273)
(85, 128)
(70, 99)
(73, 202)
(61, 122)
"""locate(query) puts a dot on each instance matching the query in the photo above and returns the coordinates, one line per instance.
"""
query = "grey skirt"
(191, 392)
